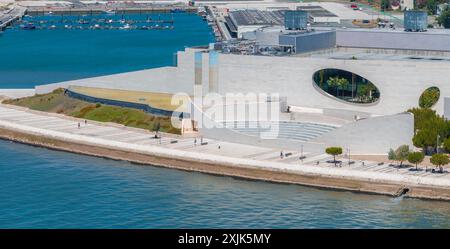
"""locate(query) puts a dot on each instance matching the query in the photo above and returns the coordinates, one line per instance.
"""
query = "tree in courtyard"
(444, 18)
(321, 77)
(343, 84)
(333, 82)
(401, 153)
(364, 92)
(416, 158)
(338, 83)
(334, 151)
(439, 160)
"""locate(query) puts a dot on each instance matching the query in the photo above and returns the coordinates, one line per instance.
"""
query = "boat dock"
(217, 23)
(103, 21)
(103, 9)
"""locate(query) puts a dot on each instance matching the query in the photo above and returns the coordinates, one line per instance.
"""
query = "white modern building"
(367, 114)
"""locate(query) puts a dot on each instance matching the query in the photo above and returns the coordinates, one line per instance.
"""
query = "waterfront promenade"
(236, 156)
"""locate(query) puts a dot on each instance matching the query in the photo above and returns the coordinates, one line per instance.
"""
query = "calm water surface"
(41, 188)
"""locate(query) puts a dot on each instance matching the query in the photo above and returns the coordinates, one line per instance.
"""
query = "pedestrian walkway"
(234, 152)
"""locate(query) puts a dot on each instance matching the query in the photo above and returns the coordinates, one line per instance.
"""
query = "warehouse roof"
(256, 17)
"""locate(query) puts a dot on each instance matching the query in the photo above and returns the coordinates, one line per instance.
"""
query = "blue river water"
(41, 188)
(34, 57)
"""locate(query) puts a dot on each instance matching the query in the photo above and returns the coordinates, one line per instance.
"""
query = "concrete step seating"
(300, 131)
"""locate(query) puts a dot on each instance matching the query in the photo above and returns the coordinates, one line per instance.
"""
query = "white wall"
(400, 82)
(372, 136)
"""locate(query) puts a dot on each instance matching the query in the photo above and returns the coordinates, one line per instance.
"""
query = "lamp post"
(301, 153)
(437, 143)
(348, 151)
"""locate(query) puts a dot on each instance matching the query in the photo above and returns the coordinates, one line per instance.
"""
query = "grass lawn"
(57, 102)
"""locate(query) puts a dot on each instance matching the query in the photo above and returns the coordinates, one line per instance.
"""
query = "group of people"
(79, 124)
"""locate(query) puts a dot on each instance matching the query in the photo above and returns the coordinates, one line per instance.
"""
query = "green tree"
(416, 158)
(334, 151)
(333, 82)
(439, 160)
(364, 91)
(385, 4)
(321, 77)
(401, 153)
(446, 144)
(429, 97)
(428, 126)
(343, 84)
(444, 18)
(432, 6)
(391, 155)
(425, 139)
(338, 83)
(156, 126)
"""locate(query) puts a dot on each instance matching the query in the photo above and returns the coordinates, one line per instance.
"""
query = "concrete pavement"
(110, 135)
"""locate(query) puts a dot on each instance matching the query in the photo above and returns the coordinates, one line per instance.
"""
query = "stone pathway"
(267, 156)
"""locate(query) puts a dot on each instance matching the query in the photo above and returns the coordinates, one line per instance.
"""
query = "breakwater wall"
(143, 107)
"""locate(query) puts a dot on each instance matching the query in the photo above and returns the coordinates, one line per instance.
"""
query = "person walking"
(79, 126)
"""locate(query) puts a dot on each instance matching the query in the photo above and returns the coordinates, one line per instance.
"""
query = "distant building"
(302, 42)
(317, 14)
(295, 19)
(240, 21)
(415, 20)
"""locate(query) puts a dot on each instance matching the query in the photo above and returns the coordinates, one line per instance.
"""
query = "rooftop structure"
(256, 17)
(302, 42)
(295, 19)
(377, 55)
(240, 21)
(415, 20)
(433, 40)
(318, 14)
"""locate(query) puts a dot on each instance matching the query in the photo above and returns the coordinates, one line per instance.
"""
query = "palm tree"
(343, 84)
(334, 83)
(321, 73)
(338, 83)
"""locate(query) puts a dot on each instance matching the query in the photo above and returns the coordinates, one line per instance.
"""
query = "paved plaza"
(266, 157)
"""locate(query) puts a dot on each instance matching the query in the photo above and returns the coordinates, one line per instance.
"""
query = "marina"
(113, 21)
(130, 42)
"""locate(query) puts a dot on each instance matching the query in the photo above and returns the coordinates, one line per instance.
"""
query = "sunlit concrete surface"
(16, 93)
(215, 151)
